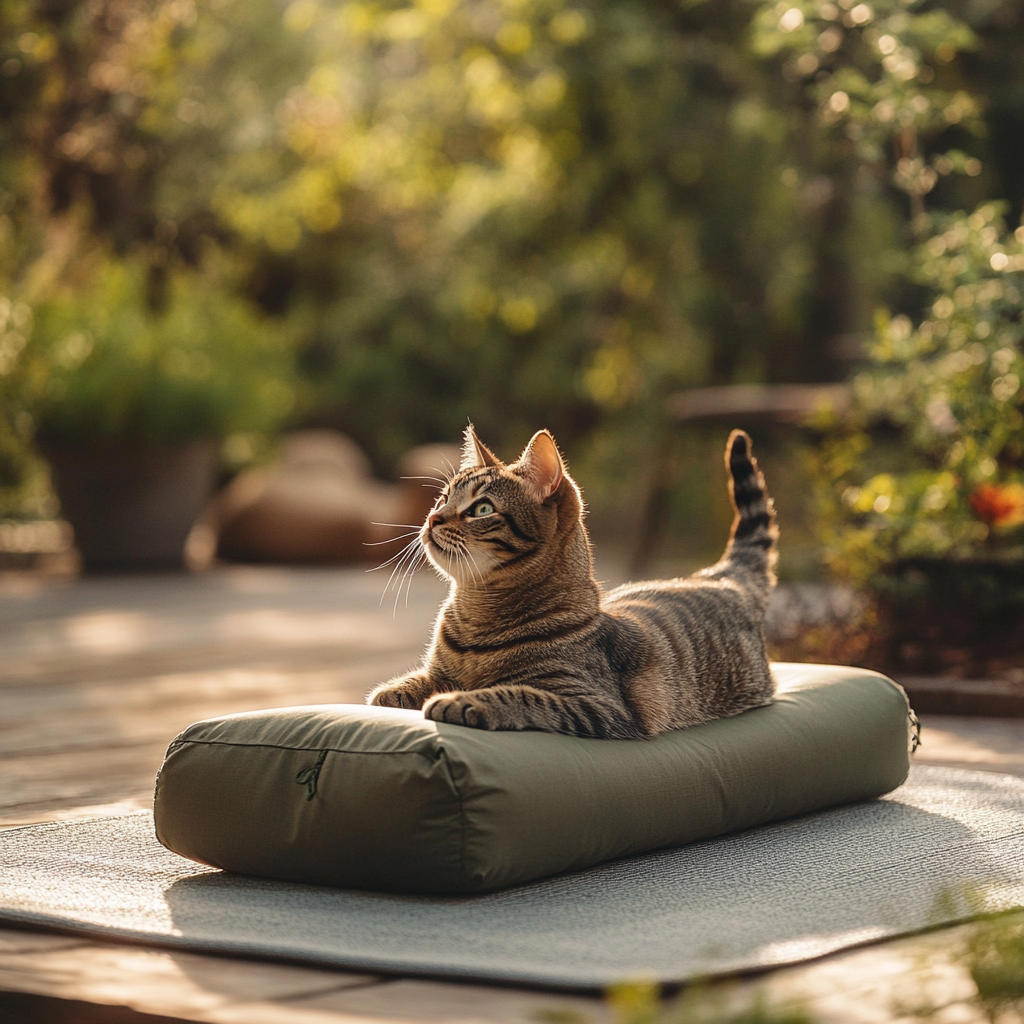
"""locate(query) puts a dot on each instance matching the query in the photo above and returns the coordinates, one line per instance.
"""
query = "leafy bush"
(546, 212)
(921, 481)
(100, 363)
(929, 462)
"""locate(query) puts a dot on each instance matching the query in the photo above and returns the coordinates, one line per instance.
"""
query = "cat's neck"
(559, 586)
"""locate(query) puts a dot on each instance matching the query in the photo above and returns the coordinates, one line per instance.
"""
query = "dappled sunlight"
(257, 580)
(98, 675)
(246, 612)
(109, 632)
(992, 743)
(278, 626)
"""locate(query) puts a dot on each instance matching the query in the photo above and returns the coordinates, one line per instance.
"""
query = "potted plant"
(132, 397)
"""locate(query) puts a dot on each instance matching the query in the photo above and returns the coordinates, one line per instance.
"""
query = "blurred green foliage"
(929, 463)
(100, 364)
(879, 71)
(640, 1002)
(994, 956)
(530, 212)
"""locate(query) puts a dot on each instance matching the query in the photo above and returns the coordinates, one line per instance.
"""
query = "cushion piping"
(283, 746)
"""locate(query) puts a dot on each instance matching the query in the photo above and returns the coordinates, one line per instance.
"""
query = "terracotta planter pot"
(132, 505)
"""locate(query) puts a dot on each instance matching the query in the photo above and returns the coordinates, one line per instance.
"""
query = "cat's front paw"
(460, 709)
(397, 695)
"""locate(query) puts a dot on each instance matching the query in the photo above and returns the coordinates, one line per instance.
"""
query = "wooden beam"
(743, 402)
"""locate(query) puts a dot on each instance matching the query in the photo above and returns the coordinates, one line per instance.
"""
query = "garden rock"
(321, 504)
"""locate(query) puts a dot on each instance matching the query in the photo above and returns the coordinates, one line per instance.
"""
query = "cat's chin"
(437, 564)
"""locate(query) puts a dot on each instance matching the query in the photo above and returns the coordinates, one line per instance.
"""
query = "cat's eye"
(481, 508)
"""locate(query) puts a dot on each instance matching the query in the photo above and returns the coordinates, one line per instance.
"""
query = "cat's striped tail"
(754, 536)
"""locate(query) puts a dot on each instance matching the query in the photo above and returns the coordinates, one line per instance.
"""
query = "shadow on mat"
(845, 875)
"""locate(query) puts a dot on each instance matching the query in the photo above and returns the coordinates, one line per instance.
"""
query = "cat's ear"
(474, 454)
(541, 466)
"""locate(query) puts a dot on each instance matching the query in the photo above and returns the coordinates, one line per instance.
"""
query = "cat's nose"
(436, 519)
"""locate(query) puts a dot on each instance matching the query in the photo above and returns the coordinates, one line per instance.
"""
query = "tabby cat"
(526, 640)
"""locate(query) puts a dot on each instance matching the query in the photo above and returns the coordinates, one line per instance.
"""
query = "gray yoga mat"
(945, 846)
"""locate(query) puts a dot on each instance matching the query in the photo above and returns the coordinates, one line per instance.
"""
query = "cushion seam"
(462, 810)
(281, 746)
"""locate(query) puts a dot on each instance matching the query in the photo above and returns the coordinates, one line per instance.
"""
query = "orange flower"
(999, 504)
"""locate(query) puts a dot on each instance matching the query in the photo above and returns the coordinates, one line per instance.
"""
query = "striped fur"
(526, 639)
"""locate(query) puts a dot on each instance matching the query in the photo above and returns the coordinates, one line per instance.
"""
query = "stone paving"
(99, 674)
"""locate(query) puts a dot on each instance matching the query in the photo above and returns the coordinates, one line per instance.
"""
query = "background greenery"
(389, 216)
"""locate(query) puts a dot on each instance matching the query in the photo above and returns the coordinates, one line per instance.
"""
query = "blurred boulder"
(321, 504)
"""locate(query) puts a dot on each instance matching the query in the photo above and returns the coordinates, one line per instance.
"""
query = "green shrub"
(929, 461)
(100, 363)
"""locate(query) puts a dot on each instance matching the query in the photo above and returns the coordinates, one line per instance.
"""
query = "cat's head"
(492, 521)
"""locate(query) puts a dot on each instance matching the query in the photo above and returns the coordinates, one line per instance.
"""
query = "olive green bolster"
(380, 798)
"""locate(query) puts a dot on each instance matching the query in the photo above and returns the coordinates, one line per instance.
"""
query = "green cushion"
(378, 798)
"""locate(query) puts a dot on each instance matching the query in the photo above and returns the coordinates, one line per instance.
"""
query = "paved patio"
(99, 674)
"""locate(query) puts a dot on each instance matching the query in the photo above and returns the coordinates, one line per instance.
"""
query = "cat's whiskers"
(449, 571)
(459, 554)
(409, 551)
(448, 475)
(437, 484)
(413, 532)
(452, 471)
(390, 540)
(414, 567)
(453, 559)
(398, 554)
(476, 568)
(402, 555)
(463, 567)
(398, 586)
(409, 564)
